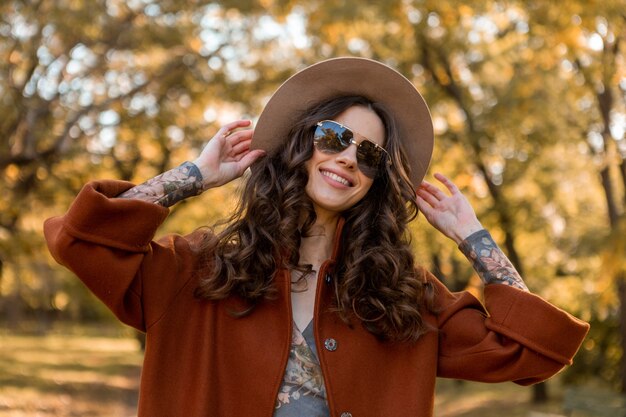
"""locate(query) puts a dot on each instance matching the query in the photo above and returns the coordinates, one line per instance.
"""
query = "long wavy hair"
(376, 280)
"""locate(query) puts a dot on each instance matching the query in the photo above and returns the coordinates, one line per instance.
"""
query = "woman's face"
(335, 181)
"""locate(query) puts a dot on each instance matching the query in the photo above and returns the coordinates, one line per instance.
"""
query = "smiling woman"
(336, 181)
(309, 302)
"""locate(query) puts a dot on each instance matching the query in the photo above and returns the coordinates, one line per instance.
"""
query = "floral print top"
(302, 392)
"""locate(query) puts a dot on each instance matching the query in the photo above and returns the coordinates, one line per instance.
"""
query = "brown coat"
(201, 361)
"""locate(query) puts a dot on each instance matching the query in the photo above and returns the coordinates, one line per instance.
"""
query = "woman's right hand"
(227, 155)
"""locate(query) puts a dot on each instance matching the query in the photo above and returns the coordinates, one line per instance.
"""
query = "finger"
(242, 146)
(239, 136)
(424, 207)
(249, 158)
(435, 191)
(237, 124)
(447, 183)
(225, 130)
(427, 197)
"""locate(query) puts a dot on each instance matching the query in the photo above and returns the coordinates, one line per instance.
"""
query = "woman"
(308, 303)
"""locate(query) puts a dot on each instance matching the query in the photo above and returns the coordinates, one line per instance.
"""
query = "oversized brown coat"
(201, 361)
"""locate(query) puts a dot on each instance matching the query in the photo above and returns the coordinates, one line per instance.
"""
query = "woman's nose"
(347, 157)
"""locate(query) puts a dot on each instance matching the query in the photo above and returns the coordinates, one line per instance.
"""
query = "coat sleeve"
(107, 243)
(515, 336)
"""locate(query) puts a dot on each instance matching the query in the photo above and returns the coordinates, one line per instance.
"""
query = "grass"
(94, 372)
(472, 399)
(69, 373)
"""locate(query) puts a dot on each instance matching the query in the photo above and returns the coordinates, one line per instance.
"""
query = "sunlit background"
(528, 100)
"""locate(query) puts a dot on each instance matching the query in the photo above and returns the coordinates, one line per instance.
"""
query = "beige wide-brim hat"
(351, 76)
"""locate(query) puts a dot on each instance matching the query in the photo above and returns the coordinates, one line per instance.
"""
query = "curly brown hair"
(376, 279)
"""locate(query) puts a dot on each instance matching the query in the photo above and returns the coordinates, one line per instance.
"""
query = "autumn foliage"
(527, 98)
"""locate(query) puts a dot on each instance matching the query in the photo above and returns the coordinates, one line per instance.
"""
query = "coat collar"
(337, 241)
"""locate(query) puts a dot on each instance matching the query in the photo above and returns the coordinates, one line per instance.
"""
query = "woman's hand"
(227, 155)
(451, 214)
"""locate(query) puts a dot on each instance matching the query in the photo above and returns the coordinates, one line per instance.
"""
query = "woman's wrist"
(206, 175)
(170, 187)
(458, 236)
(489, 262)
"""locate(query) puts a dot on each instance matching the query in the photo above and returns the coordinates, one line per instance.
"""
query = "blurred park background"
(528, 100)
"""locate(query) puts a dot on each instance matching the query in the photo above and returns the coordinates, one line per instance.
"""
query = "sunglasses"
(332, 137)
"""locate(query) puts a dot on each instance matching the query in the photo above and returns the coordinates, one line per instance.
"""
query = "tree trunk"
(622, 169)
(621, 291)
(540, 393)
(607, 186)
(14, 303)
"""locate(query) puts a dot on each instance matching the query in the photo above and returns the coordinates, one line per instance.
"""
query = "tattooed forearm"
(170, 187)
(489, 261)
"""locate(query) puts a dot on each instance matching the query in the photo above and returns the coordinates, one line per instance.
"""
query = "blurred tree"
(589, 57)
(118, 89)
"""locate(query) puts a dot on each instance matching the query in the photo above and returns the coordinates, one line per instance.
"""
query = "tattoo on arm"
(170, 187)
(491, 264)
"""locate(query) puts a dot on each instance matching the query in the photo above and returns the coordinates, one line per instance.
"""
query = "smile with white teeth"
(337, 178)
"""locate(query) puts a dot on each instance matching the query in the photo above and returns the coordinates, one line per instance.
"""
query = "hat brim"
(351, 76)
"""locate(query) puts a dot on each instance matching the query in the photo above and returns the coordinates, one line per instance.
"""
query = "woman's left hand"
(451, 214)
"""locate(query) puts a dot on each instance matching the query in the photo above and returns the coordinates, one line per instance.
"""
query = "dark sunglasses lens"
(368, 157)
(332, 138)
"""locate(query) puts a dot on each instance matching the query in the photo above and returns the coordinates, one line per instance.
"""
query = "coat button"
(330, 344)
(346, 414)
(327, 278)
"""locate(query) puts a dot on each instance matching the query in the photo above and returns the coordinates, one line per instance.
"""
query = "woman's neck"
(317, 245)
